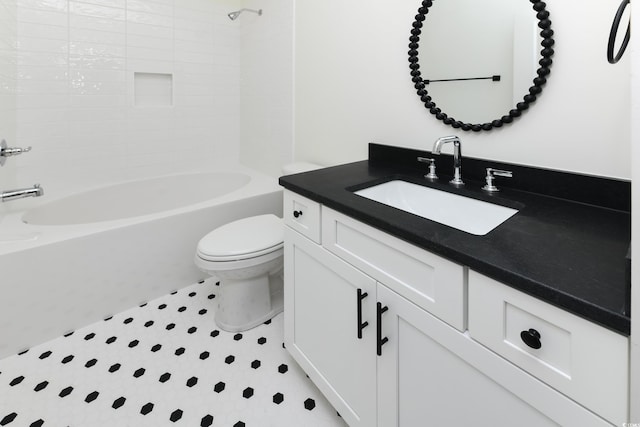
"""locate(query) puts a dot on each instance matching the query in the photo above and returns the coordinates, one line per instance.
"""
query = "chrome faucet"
(10, 151)
(35, 191)
(457, 156)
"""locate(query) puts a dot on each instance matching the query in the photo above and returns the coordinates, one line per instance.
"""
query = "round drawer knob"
(531, 338)
(297, 213)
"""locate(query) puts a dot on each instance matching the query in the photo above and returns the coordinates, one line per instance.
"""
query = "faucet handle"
(432, 167)
(491, 175)
(10, 151)
(499, 172)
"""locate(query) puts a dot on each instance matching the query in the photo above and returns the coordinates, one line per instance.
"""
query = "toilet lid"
(244, 238)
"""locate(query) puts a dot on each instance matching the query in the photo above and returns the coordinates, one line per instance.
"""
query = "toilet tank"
(299, 167)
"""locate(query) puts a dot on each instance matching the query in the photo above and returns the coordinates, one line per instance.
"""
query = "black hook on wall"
(614, 31)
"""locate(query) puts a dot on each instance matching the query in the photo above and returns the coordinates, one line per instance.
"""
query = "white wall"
(266, 85)
(352, 86)
(75, 100)
(634, 55)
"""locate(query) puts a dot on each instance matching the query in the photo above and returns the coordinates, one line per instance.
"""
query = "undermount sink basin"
(466, 214)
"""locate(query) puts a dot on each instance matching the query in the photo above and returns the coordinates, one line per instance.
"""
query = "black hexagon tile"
(8, 419)
(176, 415)
(219, 387)
(206, 421)
(65, 391)
(247, 392)
(148, 407)
(118, 402)
(309, 404)
(91, 396)
(167, 363)
(278, 398)
(16, 381)
(41, 386)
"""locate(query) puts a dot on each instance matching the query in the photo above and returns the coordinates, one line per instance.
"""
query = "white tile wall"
(8, 83)
(74, 94)
(266, 85)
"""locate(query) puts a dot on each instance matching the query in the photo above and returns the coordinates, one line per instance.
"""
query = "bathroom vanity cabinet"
(394, 335)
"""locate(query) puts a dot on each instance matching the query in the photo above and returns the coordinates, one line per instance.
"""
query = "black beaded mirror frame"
(534, 91)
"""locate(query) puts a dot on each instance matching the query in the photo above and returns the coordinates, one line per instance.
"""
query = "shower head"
(234, 15)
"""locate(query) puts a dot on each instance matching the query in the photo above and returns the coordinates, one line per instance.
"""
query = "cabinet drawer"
(580, 359)
(429, 281)
(302, 214)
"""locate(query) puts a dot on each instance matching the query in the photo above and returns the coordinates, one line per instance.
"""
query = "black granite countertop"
(570, 253)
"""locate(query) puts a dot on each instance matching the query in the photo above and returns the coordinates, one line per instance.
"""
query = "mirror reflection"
(478, 60)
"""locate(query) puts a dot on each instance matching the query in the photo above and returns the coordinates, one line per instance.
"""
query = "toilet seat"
(236, 264)
(243, 239)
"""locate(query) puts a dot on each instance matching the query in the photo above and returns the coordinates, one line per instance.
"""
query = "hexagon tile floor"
(164, 363)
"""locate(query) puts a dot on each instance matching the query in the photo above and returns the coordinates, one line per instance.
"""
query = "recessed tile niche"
(153, 89)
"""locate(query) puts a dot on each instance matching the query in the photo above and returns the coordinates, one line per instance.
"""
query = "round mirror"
(474, 61)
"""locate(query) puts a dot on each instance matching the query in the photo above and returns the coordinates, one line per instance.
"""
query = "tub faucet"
(35, 191)
(10, 151)
(457, 156)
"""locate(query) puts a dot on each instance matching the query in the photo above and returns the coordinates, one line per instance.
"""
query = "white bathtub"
(78, 259)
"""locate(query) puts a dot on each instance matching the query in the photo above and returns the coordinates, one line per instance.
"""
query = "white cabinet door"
(430, 281)
(585, 361)
(429, 374)
(322, 327)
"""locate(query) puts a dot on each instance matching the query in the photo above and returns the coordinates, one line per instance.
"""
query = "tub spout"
(35, 191)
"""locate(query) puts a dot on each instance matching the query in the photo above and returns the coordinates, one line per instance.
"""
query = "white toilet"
(247, 256)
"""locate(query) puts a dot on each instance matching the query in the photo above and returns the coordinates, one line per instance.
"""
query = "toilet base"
(245, 304)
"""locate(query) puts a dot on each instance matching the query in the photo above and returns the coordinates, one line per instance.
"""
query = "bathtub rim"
(16, 235)
(115, 188)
